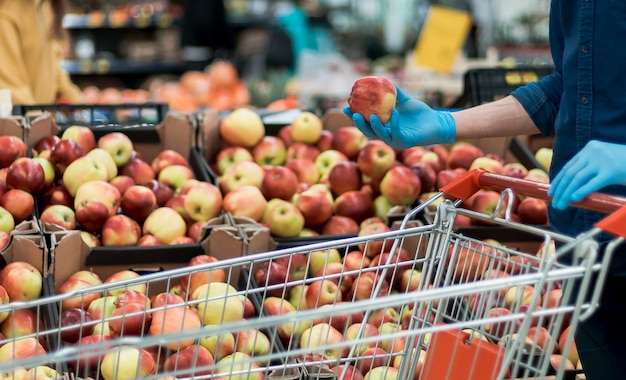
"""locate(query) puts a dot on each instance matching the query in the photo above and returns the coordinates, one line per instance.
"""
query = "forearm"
(504, 117)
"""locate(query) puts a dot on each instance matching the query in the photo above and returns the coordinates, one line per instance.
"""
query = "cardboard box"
(12, 126)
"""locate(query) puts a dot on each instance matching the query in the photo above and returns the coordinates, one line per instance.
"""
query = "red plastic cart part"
(452, 355)
(467, 185)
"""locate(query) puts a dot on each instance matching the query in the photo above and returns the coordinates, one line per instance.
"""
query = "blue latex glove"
(597, 165)
(412, 123)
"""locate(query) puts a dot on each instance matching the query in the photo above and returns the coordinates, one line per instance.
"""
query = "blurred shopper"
(583, 105)
(30, 36)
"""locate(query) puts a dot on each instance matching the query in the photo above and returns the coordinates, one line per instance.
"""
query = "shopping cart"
(421, 301)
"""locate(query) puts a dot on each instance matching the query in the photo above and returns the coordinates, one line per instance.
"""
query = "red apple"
(305, 169)
(75, 324)
(365, 284)
(373, 95)
(162, 192)
(340, 225)
(349, 140)
(11, 148)
(127, 362)
(196, 278)
(45, 143)
(120, 230)
(400, 186)
(191, 361)
(83, 136)
(515, 170)
(26, 174)
(130, 319)
(139, 170)
(271, 150)
(19, 203)
(21, 349)
(354, 204)
(285, 134)
(345, 176)
(90, 342)
(315, 206)
(426, 174)
(138, 202)
(374, 247)
(273, 276)
(533, 210)
(279, 182)
(19, 323)
(82, 300)
(490, 164)
(299, 150)
(64, 153)
(376, 158)
(166, 158)
(462, 154)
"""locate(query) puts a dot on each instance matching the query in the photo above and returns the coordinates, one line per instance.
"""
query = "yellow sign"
(442, 38)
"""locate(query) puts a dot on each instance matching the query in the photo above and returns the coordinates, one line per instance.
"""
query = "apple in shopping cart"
(272, 274)
(87, 343)
(498, 325)
(42, 372)
(125, 362)
(22, 281)
(218, 302)
(191, 361)
(340, 321)
(20, 322)
(318, 259)
(409, 280)
(130, 319)
(385, 315)
(358, 331)
(318, 339)
(322, 292)
(239, 366)
(296, 264)
(170, 319)
(123, 275)
(75, 323)
(371, 358)
(365, 284)
(373, 95)
(385, 372)
(349, 371)
(102, 307)
(21, 349)
(132, 296)
(219, 345)
(572, 353)
(253, 342)
(195, 278)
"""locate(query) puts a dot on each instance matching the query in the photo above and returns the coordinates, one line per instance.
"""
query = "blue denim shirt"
(585, 98)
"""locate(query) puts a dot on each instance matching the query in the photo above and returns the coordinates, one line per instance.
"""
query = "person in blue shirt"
(583, 105)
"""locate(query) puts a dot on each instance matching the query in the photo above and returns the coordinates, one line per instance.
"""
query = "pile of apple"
(202, 299)
(105, 188)
(21, 329)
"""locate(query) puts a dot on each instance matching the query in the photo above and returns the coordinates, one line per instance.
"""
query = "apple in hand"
(25, 174)
(119, 146)
(373, 95)
(22, 281)
(60, 215)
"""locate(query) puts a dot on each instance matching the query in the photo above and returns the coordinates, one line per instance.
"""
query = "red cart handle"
(476, 179)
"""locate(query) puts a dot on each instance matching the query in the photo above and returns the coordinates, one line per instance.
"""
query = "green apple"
(48, 170)
(284, 219)
(543, 156)
(219, 345)
(119, 146)
(7, 222)
(219, 302)
(327, 160)
(106, 159)
(83, 169)
(203, 201)
(319, 259)
(306, 127)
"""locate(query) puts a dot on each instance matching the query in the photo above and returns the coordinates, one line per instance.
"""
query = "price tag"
(102, 66)
(442, 38)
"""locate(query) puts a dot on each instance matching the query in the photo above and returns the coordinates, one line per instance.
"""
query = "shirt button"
(585, 100)
(585, 49)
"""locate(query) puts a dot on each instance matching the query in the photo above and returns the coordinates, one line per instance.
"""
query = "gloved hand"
(412, 123)
(597, 165)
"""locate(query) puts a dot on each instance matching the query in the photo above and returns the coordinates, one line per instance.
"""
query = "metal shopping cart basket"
(419, 302)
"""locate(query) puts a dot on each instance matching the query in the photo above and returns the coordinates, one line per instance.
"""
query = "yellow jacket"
(30, 57)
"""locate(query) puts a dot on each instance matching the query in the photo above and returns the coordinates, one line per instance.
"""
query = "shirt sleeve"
(13, 70)
(65, 87)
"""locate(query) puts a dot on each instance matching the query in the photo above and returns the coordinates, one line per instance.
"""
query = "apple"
(499, 326)
(345, 176)
(325, 142)
(98, 191)
(306, 127)
(355, 204)
(42, 372)
(283, 218)
(162, 192)
(376, 158)
(242, 127)
(533, 210)
(315, 206)
(296, 264)
(327, 159)
(11, 148)
(238, 366)
(83, 136)
(174, 319)
(253, 342)
(203, 202)
(299, 150)
(400, 185)
(426, 174)
(21, 349)
(305, 169)
(446, 176)
(242, 174)
(271, 150)
(462, 154)
(385, 315)
(319, 338)
(119, 146)
(359, 330)
(165, 158)
(75, 324)
(349, 140)
(140, 171)
(271, 274)
(60, 215)
(123, 182)
(193, 360)
(126, 362)
(175, 176)
(45, 144)
(57, 194)
(219, 345)
(123, 275)
(87, 276)
(165, 223)
(245, 201)
(120, 230)
(487, 163)
(365, 284)
(382, 373)
(22, 281)
(102, 307)
(20, 323)
(279, 182)
(218, 302)
(371, 358)
(25, 174)
(374, 247)
(318, 259)
(537, 175)
(322, 292)
(514, 170)
(5, 238)
(138, 202)
(229, 155)
(19, 203)
(196, 278)
(340, 225)
(411, 155)
(130, 319)
(567, 337)
(543, 156)
(90, 216)
(373, 95)
(48, 171)
(94, 344)
(348, 372)
(84, 169)
(486, 201)
(7, 222)
(64, 153)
